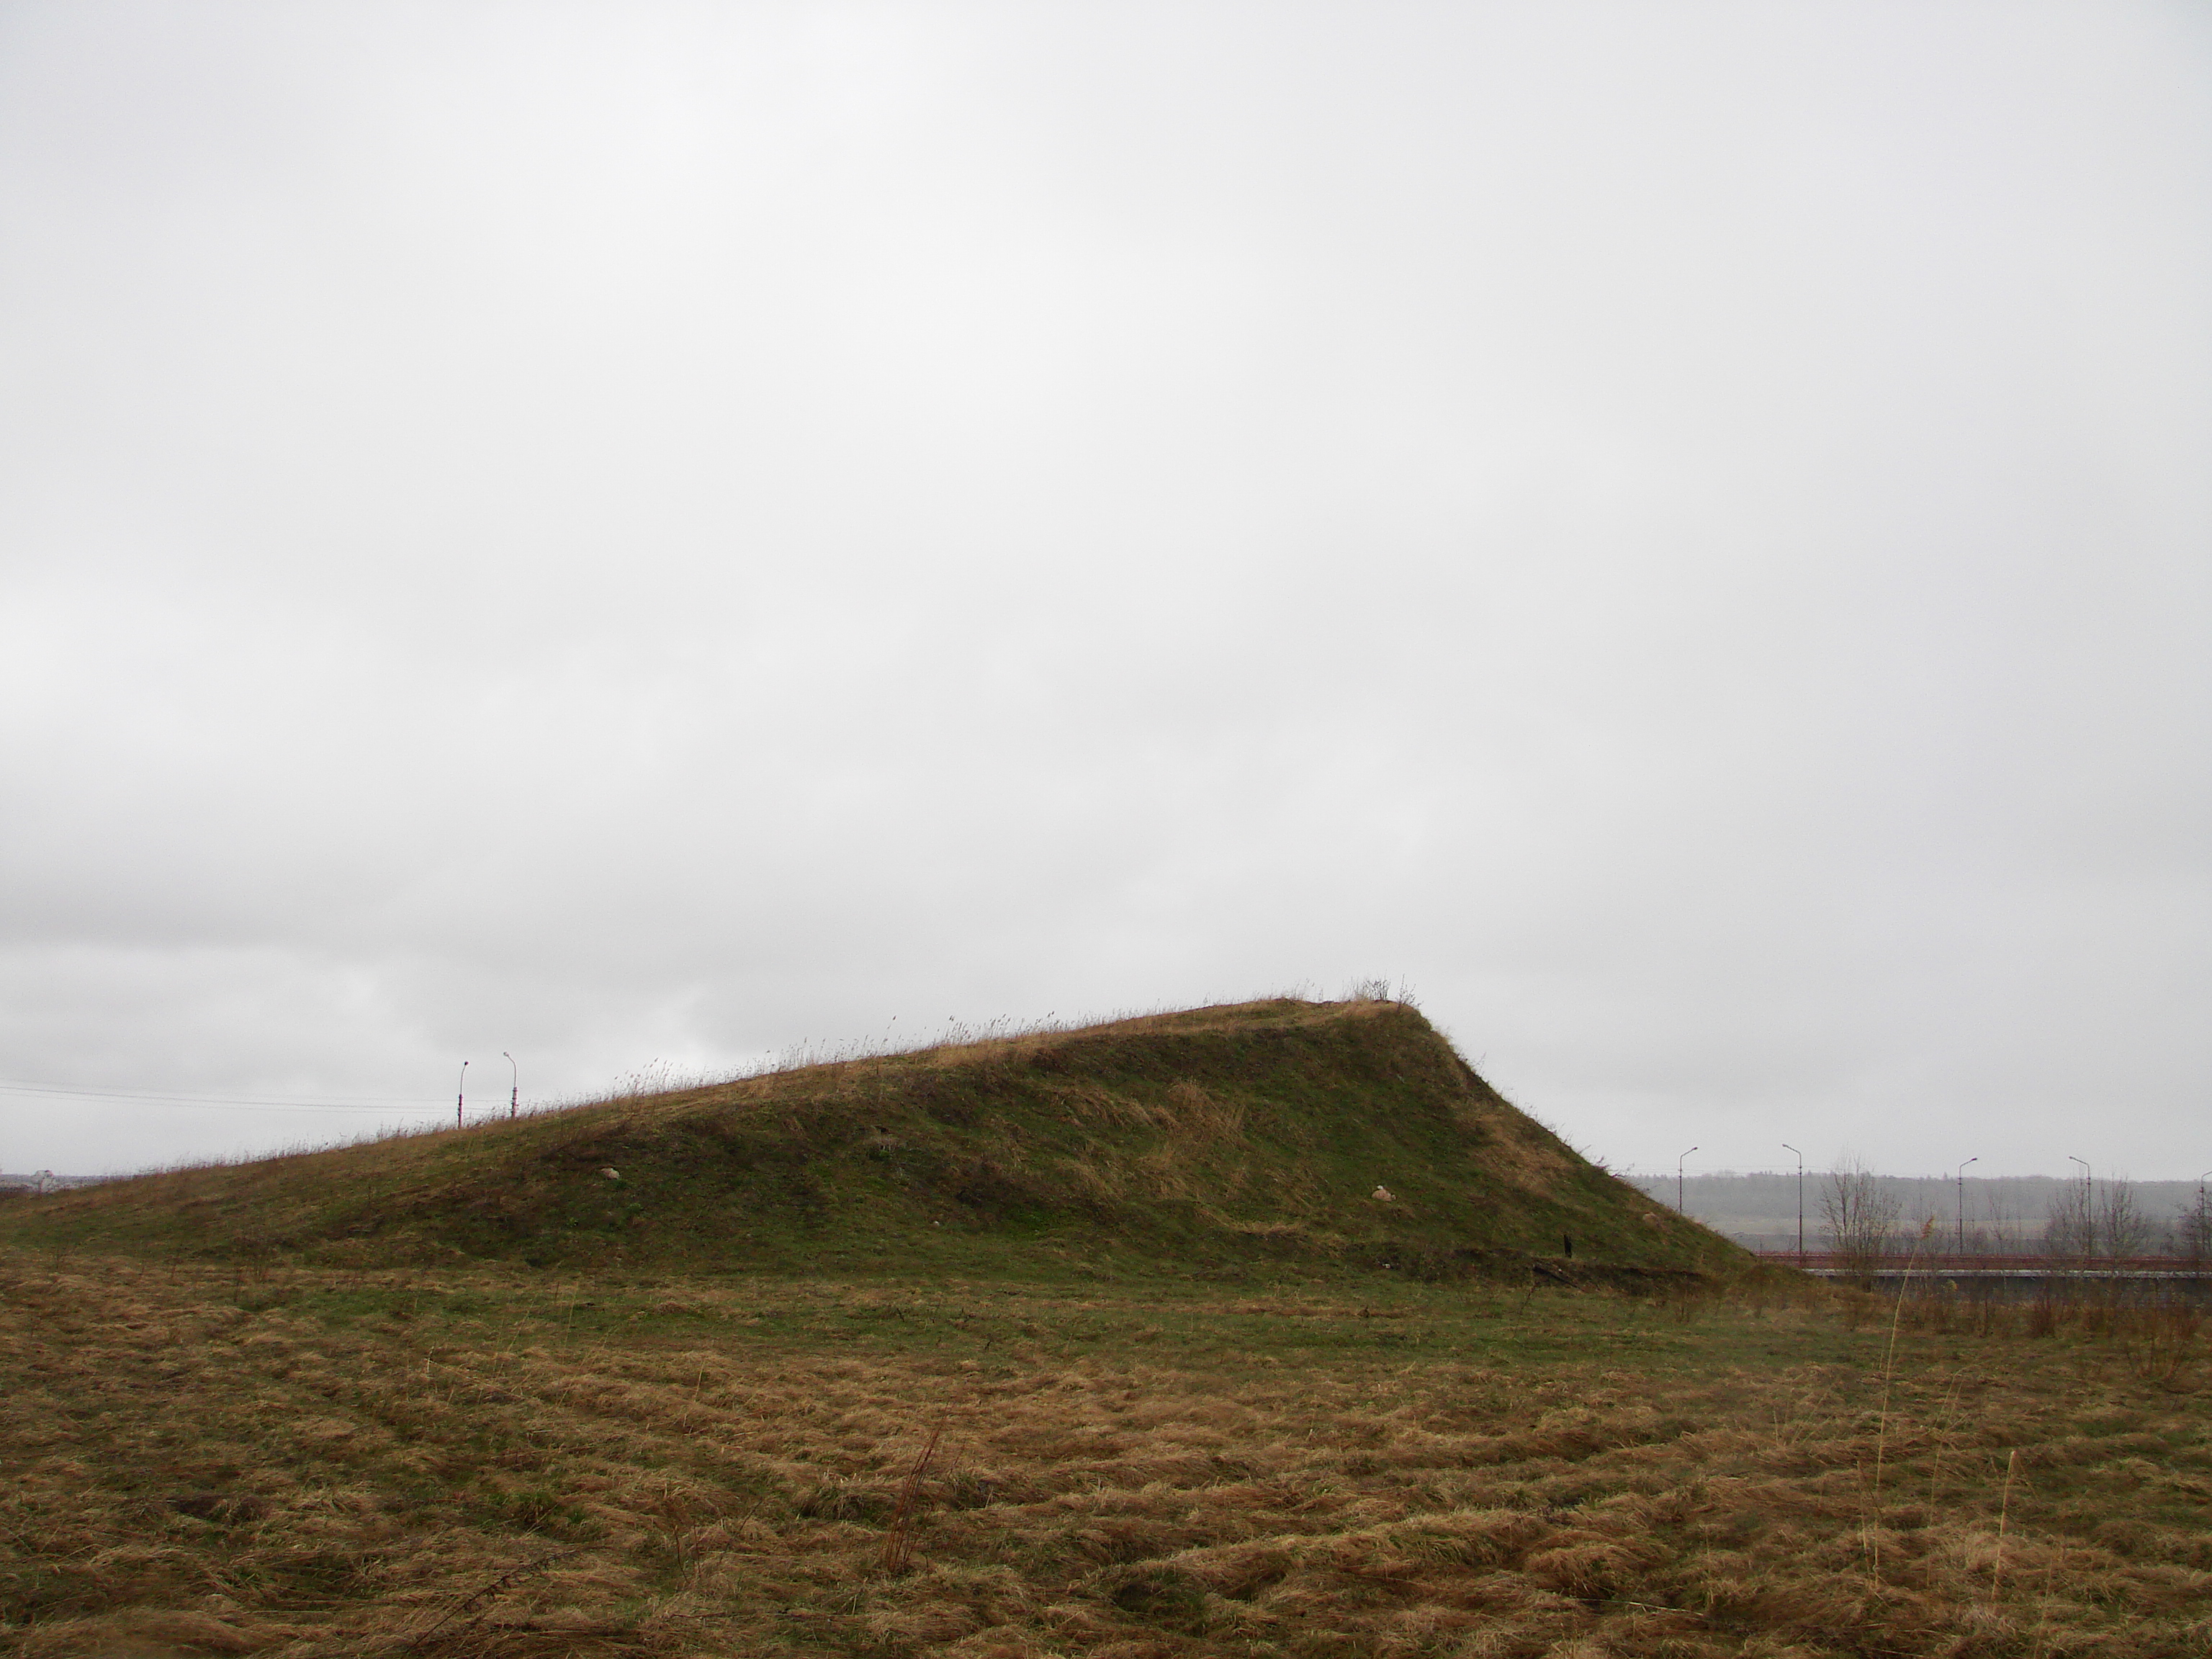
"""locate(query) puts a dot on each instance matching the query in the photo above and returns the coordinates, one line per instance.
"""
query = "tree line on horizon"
(1853, 1212)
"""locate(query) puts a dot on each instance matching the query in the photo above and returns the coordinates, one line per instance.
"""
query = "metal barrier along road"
(1829, 1264)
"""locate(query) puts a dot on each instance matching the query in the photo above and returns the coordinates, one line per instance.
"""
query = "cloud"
(669, 533)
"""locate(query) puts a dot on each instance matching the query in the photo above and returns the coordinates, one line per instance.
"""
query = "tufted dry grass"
(483, 1465)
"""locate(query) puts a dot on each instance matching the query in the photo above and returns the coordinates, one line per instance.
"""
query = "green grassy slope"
(1204, 1139)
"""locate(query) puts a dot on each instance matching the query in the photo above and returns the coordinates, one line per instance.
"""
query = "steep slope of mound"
(1349, 1132)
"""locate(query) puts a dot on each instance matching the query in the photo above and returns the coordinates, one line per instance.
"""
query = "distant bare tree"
(1997, 1231)
(2123, 1228)
(1861, 1216)
(2193, 1233)
(2069, 1227)
(2090, 1219)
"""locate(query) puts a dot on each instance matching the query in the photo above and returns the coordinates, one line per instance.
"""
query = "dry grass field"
(492, 1462)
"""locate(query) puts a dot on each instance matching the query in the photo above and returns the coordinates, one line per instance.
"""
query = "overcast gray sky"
(639, 532)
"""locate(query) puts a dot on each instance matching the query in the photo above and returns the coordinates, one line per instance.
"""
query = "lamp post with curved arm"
(514, 1084)
(1787, 1147)
(461, 1095)
(1677, 1181)
(1962, 1204)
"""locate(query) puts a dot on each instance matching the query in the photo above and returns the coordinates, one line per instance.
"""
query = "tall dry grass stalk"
(2004, 1515)
(898, 1542)
(1871, 1536)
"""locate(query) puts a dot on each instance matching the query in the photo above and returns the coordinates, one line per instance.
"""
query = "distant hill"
(1204, 1137)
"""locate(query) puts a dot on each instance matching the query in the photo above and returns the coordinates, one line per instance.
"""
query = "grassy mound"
(1348, 1133)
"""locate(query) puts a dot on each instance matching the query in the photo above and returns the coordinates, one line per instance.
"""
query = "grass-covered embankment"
(1206, 1138)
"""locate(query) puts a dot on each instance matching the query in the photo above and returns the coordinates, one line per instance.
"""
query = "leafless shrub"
(2044, 1312)
(1861, 1214)
(2121, 1228)
(2161, 1341)
(2089, 1219)
(2193, 1232)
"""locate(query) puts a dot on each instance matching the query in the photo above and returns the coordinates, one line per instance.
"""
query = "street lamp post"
(1677, 1181)
(514, 1088)
(1787, 1147)
(1962, 1204)
(461, 1095)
